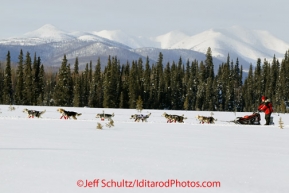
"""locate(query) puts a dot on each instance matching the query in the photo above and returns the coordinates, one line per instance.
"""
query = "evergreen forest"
(180, 85)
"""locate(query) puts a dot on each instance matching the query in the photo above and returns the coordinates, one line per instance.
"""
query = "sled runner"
(253, 119)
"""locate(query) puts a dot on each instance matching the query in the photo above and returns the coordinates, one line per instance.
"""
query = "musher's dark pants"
(267, 118)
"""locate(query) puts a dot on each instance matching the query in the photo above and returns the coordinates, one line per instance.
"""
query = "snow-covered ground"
(57, 156)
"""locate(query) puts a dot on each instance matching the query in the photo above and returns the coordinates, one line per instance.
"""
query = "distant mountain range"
(51, 44)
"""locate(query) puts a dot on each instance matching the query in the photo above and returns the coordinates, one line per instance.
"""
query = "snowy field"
(70, 156)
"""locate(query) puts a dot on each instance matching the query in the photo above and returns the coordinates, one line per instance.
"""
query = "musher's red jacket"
(266, 107)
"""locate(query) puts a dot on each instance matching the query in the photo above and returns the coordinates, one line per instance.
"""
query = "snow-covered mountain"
(50, 33)
(51, 44)
(236, 41)
(126, 39)
(167, 40)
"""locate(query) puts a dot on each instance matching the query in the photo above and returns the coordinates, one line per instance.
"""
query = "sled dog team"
(64, 114)
(265, 106)
(136, 117)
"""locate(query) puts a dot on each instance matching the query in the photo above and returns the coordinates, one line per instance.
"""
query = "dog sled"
(253, 119)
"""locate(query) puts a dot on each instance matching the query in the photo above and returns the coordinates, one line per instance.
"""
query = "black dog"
(67, 114)
(33, 113)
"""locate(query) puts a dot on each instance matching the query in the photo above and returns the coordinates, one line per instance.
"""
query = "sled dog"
(174, 118)
(140, 117)
(68, 114)
(33, 113)
(203, 119)
(103, 116)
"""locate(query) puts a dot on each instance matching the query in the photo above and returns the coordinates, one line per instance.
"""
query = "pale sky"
(144, 18)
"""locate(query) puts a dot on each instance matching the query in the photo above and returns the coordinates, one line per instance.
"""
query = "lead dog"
(33, 113)
(140, 117)
(68, 114)
(203, 119)
(174, 118)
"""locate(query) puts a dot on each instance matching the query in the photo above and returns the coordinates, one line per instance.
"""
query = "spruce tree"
(157, 84)
(174, 87)
(202, 72)
(273, 77)
(85, 85)
(230, 89)
(114, 82)
(167, 86)
(28, 80)
(62, 91)
(70, 85)
(76, 92)
(147, 84)
(140, 77)
(153, 88)
(193, 85)
(76, 68)
(19, 89)
(257, 86)
(49, 85)
(209, 64)
(75, 72)
(218, 90)
(241, 99)
(76, 84)
(179, 94)
(187, 73)
(225, 79)
(124, 84)
(110, 84)
(159, 103)
(285, 82)
(265, 76)
(90, 72)
(133, 85)
(248, 90)
(95, 93)
(238, 86)
(209, 96)
(98, 79)
(106, 84)
(200, 97)
(41, 86)
(7, 84)
(230, 98)
(36, 78)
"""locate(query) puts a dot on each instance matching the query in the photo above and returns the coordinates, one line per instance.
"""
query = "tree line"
(190, 85)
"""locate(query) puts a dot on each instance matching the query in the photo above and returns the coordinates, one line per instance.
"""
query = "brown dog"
(174, 118)
(68, 114)
(203, 119)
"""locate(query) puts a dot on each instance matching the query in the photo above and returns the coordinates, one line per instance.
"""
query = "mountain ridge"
(51, 43)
